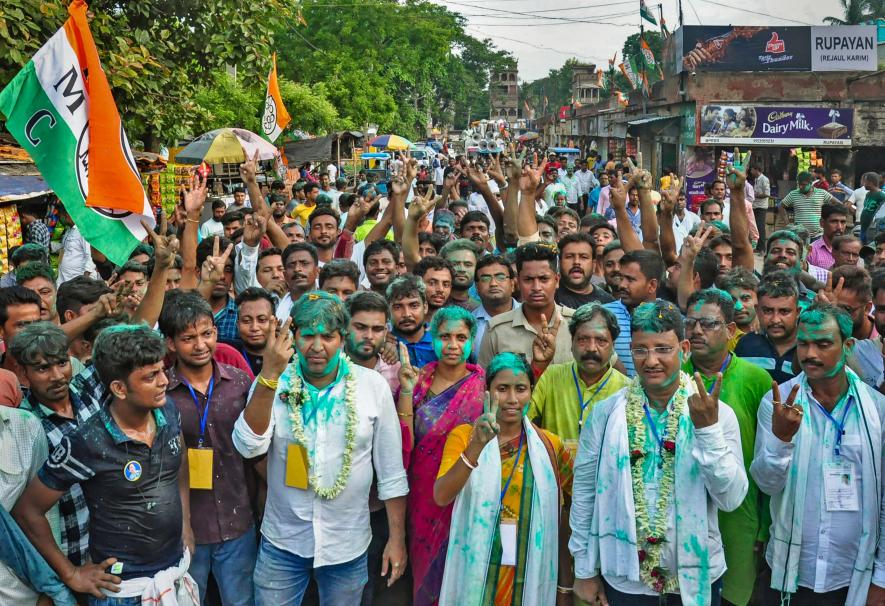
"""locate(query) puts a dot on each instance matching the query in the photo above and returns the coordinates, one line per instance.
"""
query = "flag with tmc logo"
(275, 118)
(60, 109)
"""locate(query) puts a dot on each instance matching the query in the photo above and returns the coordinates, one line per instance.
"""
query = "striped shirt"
(806, 208)
(622, 343)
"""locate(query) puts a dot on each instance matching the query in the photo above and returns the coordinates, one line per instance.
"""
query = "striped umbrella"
(394, 142)
(226, 145)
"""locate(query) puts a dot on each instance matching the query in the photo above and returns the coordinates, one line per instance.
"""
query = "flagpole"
(645, 90)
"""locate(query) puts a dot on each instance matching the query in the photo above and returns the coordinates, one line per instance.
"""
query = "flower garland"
(650, 537)
(294, 398)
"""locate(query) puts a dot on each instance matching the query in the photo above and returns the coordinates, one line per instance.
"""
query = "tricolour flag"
(630, 73)
(60, 109)
(652, 67)
(645, 13)
(276, 118)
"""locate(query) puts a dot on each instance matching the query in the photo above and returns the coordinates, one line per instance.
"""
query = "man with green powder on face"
(806, 202)
(328, 426)
(656, 463)
(784, 252)
(818, 454)
(709, 326)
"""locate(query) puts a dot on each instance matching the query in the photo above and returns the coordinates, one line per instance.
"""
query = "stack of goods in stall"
(171, 181)
(807, 159)
(726, 159)
(10, 233)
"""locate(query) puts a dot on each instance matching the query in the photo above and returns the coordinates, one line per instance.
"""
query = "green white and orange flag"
(60, 109)
(645, 13)
(275, 118)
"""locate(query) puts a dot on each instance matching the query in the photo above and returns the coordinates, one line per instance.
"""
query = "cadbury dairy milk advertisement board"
(740, 124)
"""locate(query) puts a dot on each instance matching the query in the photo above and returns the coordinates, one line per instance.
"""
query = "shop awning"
(649, 120)
(21, 187)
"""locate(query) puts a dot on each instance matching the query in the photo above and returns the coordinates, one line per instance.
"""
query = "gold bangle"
(272, 385)
(406, 415)
(197, 221)
(564, 590)
(467, 462)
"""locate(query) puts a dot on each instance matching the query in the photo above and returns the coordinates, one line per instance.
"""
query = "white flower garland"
(650, 538)
(293, 398)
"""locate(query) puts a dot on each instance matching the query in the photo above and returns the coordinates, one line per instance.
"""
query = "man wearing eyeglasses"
(656, 462)
(709, 327)
(494, 285)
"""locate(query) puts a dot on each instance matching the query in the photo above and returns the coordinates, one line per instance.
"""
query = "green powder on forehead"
(508, 361)
(319, 312)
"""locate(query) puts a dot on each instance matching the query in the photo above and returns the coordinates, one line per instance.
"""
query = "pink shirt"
(821, 254)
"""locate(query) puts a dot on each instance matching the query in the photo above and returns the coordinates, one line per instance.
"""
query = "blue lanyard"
(722, 370)
(654, 431)
(840, 425)
(582, 405)
(315, 405)
(205, 414)
(515, 465)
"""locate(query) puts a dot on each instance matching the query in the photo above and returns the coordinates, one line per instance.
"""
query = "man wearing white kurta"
(659, 440)
(819, 455)
(328, 425)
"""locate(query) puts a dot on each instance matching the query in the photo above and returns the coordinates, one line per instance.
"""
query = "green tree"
(156, 52)
(858, 11)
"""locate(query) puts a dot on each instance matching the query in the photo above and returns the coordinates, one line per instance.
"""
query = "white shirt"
(586, 180)
(761, 191)
(857, 198)
(829, 539)
(211, 228)
(22, 451)
(77, 257)
(333, 172)
(682, 227)
(439, 175)
(284, 307)
(337, 530)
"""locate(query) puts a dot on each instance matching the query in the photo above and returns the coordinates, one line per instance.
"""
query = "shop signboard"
(730, 124)
(843, 48)
(725, 48)
(699, 171)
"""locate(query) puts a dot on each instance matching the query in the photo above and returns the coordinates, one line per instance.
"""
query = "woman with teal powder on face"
(506, 478)
(432, 402)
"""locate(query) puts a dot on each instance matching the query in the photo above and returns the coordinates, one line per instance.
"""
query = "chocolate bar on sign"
(832, 130)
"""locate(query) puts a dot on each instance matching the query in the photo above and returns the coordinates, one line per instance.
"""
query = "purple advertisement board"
(727, 124)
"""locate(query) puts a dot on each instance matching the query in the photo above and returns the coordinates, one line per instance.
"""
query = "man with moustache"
(611, 266)
(463, 255)
(576, 272)
(475, 226)
(61, 404)
(784, 253)
(209, 398)
(640, 274)
(742, 285)
(255, 320)
(566, 393)
(300, 270)
(323, 232)
(494, 285)
(818, 455)
(709, 327)
(662, 442)
(407, 299)
(833, 222)
(867, 358)
(437, 274)
(367, 334)
(774, 348)
(379, 261)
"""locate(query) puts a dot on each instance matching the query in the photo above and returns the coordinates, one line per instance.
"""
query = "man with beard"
(534, 325)
(684, 221)
(61, 404)
(867, 359)
(640, 275)
(323, 232)
(567, 392)
(742, 285)
(204, 390)
(709, 328)
(494, 285)
(833, 222)
(711, 210)
(546, 229)
(367, 334)
(269, 272)
(567, 222)
(277, 205)
(576, 272)
(774, 349)
(437, 274)
(784, 253)
(255, 320)
(877, 259)
(223, 305)
(408, 310)
(463, 255)
(340, 277)
(850, 288)
(611, 266)
(819, 457)
(213, 226)
(721, 247)
(475, 227)
(300, 270)
(380, 260)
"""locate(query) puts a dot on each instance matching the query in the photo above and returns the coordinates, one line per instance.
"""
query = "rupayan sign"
(728, 124)
(844, 48)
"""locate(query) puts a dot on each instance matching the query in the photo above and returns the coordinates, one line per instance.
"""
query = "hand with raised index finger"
(249, 169)
(485, 428)
(829, 294)
(703, 407)
(278, 350)
(408, 374)
(544, 344)
(785, 418)
(195, 195)
(737, 173)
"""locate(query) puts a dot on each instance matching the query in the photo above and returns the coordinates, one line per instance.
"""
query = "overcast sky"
(542, 34)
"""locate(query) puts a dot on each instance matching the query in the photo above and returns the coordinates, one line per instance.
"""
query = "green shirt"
(554, 405)
(743, 387)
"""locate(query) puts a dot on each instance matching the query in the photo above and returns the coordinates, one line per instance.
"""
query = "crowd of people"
(497, 381)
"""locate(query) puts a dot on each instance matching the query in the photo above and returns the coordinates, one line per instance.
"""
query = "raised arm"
(418, 209)
(529, 181)
(741, 248)
(642, 180)
(165, 249)
(690, 249)
(194, 198)
(667, 208)
(511, 198)
(618, 202)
